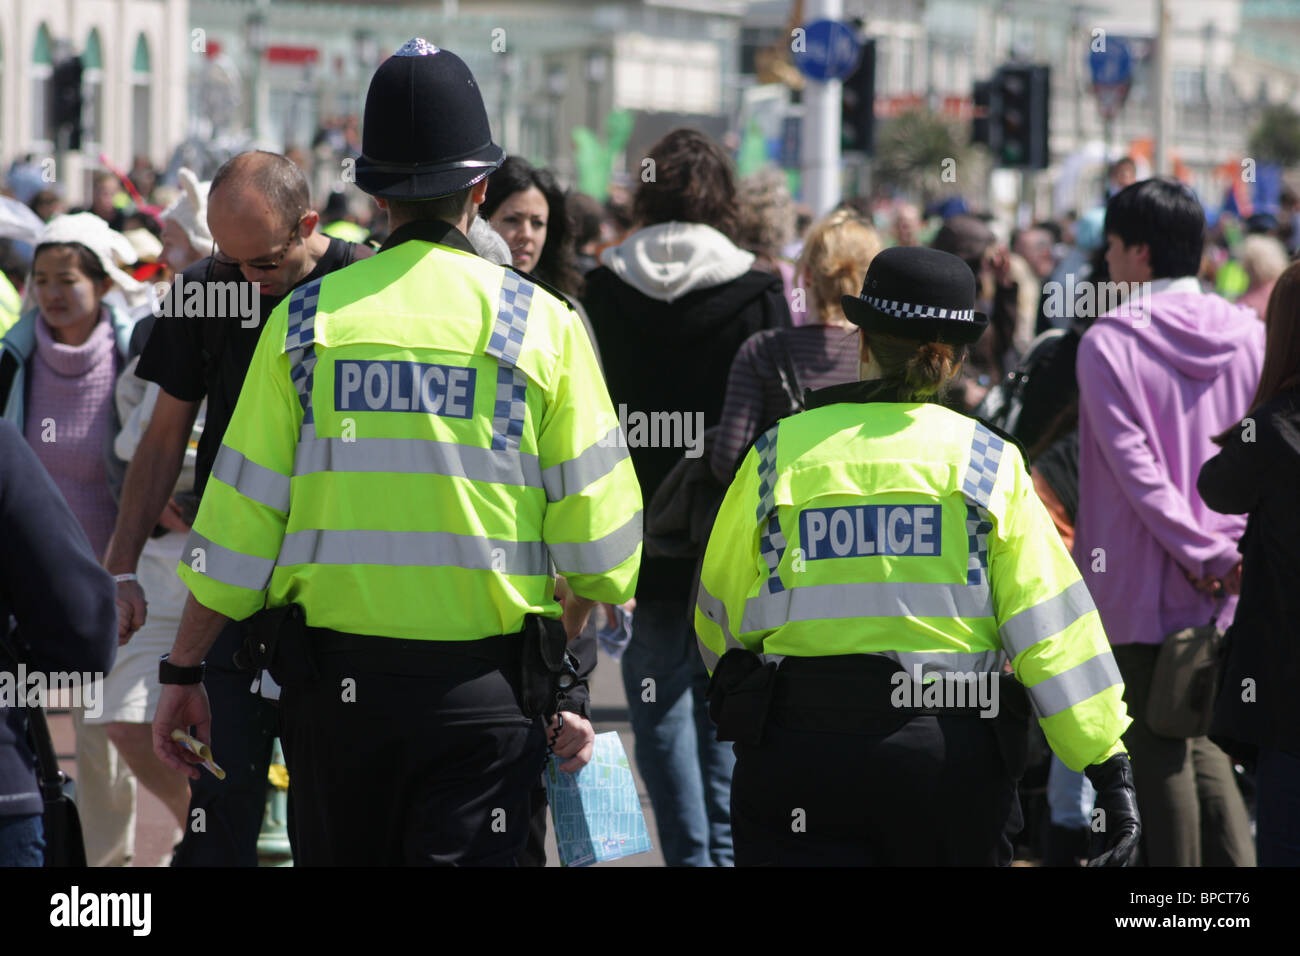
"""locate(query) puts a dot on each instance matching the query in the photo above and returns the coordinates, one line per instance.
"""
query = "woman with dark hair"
(1257, 718)
(526, 206)
(671, 305)
(891, 552)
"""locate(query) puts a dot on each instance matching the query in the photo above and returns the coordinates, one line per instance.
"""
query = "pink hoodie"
(1152, 390)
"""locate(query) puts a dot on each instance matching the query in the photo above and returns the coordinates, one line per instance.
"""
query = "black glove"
(1116, 843)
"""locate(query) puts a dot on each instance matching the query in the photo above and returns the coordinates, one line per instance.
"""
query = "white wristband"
(119, 578)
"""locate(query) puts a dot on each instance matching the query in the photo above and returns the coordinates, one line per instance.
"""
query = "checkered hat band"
(908, 310)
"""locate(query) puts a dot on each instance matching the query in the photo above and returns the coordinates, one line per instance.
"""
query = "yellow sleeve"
(732, 570)
(592, 526)
(1051, 630)
(231, 551)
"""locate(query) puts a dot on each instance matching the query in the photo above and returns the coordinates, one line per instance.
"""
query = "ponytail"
(918, 371)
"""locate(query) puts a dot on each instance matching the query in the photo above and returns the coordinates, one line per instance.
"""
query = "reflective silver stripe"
(572, 476)
(417, 456)
(707, 655)
(1075, 685)
(874, 599)
(946, 662)
(716, 612)
(226, 566)
(1046, 619)
(252, 480)
(603, 554)
(412, 549)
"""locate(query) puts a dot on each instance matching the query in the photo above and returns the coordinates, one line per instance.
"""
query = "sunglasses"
(268, 265)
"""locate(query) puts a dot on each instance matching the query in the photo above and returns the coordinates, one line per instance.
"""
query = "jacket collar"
(428, 230)
(874, 390)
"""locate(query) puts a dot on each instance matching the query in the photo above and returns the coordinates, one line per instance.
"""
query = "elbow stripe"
(1047, 619)
(599, 556)
(206, 557)
(1076, 685)
(253, 481)
(570, 477)
(713, 608)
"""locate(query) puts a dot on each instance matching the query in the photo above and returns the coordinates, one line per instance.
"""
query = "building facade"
(136, 56)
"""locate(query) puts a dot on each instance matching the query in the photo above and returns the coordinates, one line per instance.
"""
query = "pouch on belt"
(740, 695)
(547, 669)
(276, 639)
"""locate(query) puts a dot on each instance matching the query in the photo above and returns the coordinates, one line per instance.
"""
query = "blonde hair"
(836, 253)
(1264, 258)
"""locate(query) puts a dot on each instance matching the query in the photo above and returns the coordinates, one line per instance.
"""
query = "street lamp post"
(255, 40)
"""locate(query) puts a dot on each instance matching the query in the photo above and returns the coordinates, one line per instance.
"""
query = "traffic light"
(858, 104)
(985, 126)
(66, 101)
(1018, 108)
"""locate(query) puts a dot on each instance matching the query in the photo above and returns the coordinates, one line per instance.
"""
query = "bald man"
(259, 213)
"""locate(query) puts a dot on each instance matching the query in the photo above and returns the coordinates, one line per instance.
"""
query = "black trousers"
(931, 793)
(839, 777)
(244, 724)
(404, 753)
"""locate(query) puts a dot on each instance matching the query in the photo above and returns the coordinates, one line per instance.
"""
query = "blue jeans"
(22, 841)
(1277, 807)
(1070, 796)
(686, 771)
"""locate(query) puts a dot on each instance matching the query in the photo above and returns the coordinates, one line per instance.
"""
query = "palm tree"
(919, 152)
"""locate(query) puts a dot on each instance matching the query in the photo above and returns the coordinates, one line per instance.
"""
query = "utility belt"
(535, 658)
(853, 694)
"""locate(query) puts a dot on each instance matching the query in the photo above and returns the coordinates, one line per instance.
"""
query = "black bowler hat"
(918, 293)
(426, 131)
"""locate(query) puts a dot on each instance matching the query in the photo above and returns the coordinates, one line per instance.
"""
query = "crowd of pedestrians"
(1162, 431)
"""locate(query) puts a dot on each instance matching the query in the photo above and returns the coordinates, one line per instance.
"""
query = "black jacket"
(63, 601)
(674, 357)
(1262, 477)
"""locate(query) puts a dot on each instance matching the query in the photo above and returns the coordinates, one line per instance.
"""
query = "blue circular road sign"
(1111, 65)
(827, 50)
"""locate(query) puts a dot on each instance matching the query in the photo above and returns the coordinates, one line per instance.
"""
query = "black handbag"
(680, 514)
(64, 844)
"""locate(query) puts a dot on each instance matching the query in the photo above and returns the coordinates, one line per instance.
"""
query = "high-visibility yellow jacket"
(11, 304)
(422, 440)
(908, 530)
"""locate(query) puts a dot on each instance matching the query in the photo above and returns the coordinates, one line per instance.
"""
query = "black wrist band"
(169, 673)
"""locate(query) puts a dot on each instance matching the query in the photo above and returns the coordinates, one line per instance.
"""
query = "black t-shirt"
(197, 356)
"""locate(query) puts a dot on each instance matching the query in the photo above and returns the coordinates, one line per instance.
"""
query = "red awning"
(292, 54)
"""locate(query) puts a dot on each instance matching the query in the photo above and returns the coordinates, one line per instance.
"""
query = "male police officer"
(413, 456)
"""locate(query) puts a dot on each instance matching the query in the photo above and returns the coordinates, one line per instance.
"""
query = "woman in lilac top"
(824, 352)
(65, 356)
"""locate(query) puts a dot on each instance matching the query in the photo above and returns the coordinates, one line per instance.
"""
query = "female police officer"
(887, 553)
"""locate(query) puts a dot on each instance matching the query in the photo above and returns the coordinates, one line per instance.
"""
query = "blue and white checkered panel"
(300, 343)
(772, 547)
(766, 448)
(982, 472)
(508, 414)
(302, 316)
(979, 526)
(302, 368)
(512, 318)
